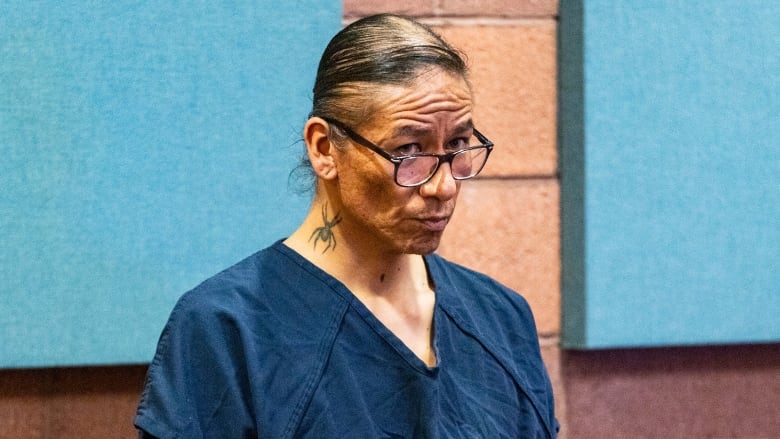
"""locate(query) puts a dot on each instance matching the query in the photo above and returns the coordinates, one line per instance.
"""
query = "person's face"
(430, 116)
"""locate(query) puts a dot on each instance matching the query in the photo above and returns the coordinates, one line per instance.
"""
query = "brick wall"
(507, 221)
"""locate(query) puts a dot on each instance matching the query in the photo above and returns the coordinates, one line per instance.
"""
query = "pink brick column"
(507, 223)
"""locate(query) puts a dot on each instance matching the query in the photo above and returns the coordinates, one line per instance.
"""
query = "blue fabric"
(274, 347)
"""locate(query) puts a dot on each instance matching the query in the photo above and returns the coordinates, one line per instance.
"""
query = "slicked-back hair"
(381, 49)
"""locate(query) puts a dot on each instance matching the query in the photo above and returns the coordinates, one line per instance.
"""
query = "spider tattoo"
(325, 233)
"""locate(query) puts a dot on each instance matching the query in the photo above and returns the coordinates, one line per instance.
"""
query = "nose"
(442, 185)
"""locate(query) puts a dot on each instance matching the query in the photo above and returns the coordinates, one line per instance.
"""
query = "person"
(352, 327)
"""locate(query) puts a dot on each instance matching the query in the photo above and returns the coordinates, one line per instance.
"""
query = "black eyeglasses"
(417, 169)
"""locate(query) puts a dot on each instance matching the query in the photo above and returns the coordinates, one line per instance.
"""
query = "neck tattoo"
(325, 233)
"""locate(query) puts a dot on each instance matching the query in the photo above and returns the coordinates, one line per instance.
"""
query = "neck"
(393, 286)
(365, 269)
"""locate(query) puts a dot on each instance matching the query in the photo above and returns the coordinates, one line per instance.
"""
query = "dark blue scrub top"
(274, 347)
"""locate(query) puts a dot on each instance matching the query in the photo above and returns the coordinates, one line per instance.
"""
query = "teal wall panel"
(145, 146)
(670, 172)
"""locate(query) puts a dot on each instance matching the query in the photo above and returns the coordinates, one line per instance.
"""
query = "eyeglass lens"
(465, 164)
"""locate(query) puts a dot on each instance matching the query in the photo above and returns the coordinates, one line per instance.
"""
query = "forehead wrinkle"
(421, 98)
(430, 102)
(419, 131)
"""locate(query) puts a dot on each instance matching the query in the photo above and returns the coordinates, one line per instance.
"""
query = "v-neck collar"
(371, 320)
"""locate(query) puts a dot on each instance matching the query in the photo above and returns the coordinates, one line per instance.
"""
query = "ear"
(320, 148)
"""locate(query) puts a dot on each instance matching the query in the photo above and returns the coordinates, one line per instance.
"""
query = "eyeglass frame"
(397, 160)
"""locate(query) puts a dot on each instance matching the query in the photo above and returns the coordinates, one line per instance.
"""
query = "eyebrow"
(415, 131)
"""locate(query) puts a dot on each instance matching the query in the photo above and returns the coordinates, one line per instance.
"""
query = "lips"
(435, 223)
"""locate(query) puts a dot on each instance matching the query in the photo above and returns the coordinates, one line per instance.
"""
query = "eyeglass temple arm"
(362, 140)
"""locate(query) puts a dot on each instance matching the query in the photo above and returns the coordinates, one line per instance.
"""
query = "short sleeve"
(197, 383)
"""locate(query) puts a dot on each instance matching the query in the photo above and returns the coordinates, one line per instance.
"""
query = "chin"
(423, 246)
